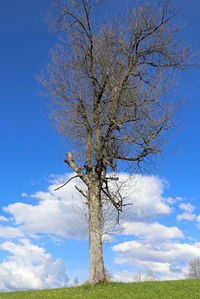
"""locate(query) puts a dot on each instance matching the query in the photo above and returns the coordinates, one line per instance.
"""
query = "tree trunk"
(97, 274)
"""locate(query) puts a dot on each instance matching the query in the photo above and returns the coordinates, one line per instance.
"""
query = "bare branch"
(82, 192)
(71, 162)
(112, 178)
(76, 176)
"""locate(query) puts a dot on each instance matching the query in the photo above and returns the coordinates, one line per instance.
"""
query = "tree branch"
(67, 12)
(71, 162)
(81, 191)
(76, 176)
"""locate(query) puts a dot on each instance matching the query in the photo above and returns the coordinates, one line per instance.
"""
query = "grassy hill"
(183, 289)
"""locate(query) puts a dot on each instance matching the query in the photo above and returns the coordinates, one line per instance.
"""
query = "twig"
(76, 176)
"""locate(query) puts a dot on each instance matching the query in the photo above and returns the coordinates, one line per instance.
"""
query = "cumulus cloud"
(126, 276)
(187, 207)
(151, 232)
(146, 197)
(157, 247)
(172, 200)
(9, 232)
(48, 217)
(23, 194)
(4, 219)
(57, 212)
(169, 260)
(30, 267)
(143, 196)
(198, 220)
(187, 215)
(63, 213)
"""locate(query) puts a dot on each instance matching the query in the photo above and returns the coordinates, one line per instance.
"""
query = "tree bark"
(97, 274)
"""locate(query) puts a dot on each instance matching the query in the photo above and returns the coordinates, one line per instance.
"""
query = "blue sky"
(41, 231)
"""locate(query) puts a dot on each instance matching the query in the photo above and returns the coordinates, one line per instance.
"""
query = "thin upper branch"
(76, 176)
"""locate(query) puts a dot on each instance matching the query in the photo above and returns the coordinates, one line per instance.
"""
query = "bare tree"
(109, 90)
(194, 268)
(149, 276)
(108, 274)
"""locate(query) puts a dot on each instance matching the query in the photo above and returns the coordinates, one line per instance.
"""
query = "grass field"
(183, 289)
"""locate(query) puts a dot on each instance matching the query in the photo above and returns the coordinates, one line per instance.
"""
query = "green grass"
(183, 289)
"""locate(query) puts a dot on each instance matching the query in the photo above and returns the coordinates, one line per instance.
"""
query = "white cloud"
(23, 194)
(48, 217)
(107, 238)
(152, 232)
(44, 195)
(9, 232)
(30, 267)
(126, 276)
(156, 247)
(198, 221)
(163, 252)
(63, 213)
(187, 207)
(123, 276)
(146, 197)
(172, 200)
(2, 218)
(186, 216)
(169, 260)
(57, 212)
